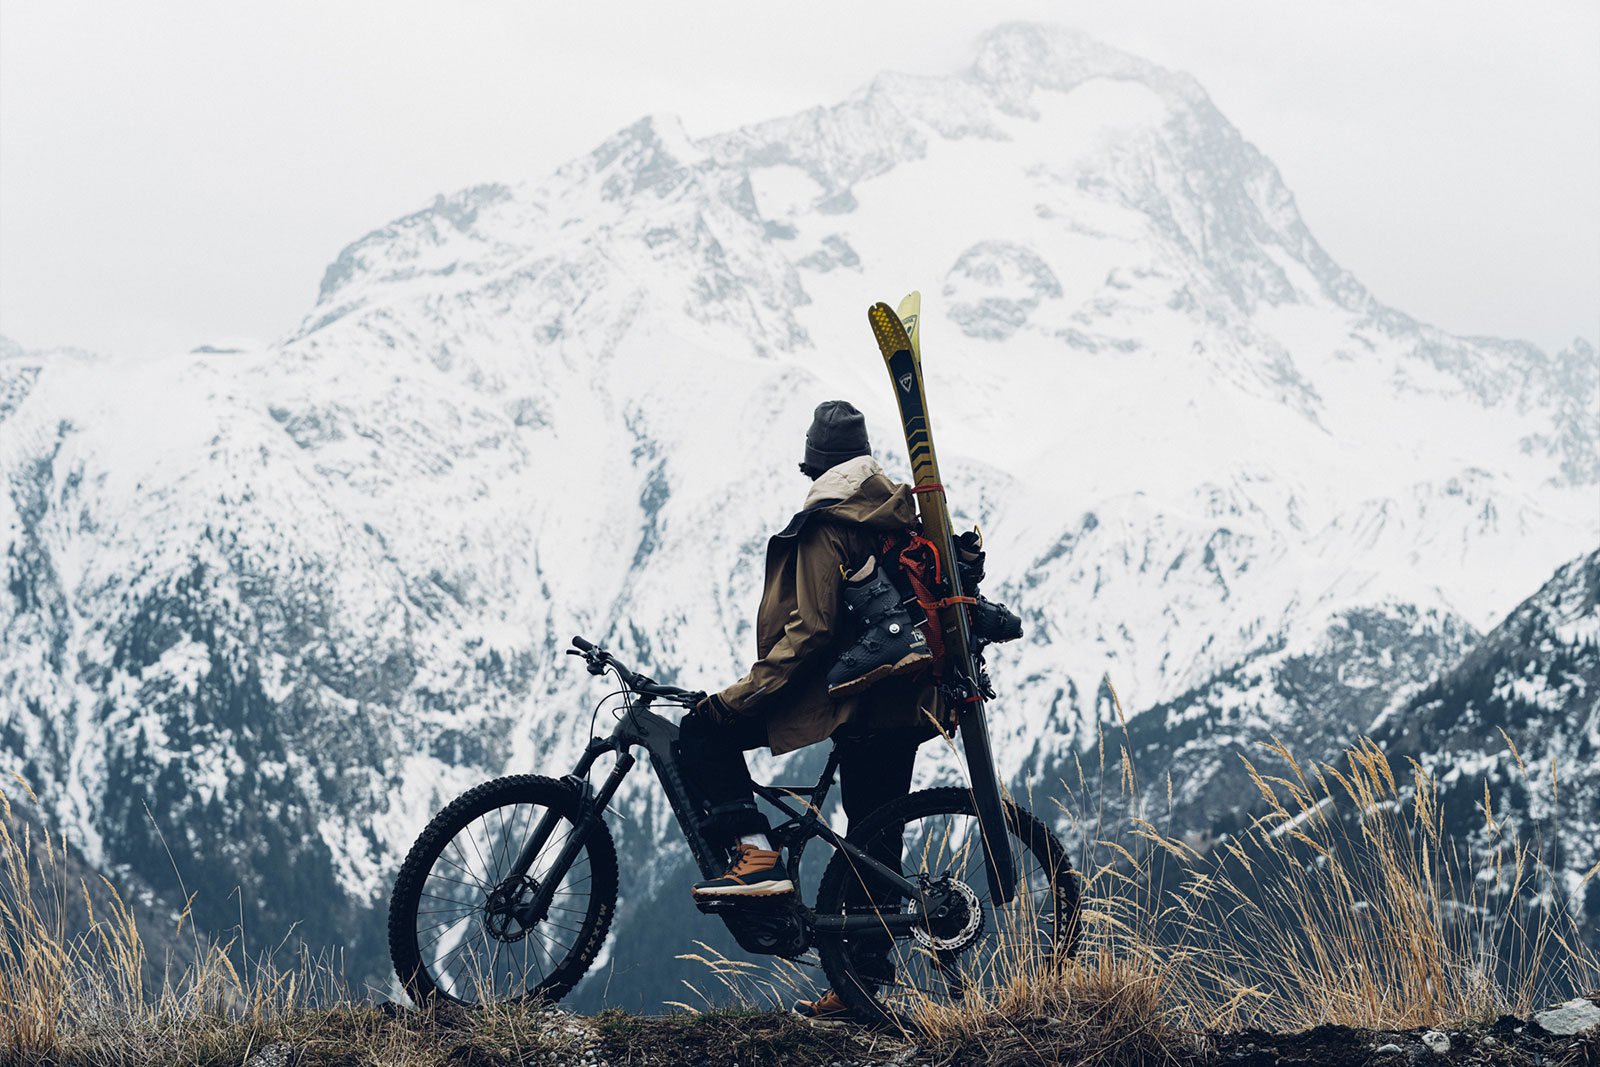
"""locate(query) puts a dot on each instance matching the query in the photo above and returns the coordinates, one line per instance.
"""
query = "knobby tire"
(411, 883)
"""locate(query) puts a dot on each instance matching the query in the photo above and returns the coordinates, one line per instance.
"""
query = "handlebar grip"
(580, 643)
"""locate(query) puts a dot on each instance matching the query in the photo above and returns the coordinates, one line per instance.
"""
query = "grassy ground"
(1337, 929)
(374, 1037)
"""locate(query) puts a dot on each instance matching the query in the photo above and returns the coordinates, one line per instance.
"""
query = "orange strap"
(928, 487)
(914, 565)
(910, 563)
(935, 634)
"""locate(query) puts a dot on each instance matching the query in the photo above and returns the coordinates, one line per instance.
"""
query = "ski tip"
(910, 312)
(888, 330)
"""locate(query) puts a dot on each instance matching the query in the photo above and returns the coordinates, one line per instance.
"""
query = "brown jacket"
(845, 513)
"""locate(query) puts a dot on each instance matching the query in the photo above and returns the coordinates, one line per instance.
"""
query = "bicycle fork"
(593, 805)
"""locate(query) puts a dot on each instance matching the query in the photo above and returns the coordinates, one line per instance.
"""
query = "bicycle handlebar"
(599, 659)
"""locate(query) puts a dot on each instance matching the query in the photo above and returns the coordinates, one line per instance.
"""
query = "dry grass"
(74, 988)
(1345, 903)
(73, 993)
(1348, 903)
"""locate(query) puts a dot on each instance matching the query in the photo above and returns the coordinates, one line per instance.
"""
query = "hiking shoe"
(889, 644)
(829, 1006)
(756, 873)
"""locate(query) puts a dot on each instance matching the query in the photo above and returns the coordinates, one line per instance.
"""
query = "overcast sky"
(180, 173)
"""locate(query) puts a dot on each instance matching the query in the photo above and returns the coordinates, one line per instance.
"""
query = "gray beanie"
(838, 432)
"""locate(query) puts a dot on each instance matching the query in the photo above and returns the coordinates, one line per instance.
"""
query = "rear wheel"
(979, 944)
(459, 928)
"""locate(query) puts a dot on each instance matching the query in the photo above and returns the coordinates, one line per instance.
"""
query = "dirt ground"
(1510, 1041)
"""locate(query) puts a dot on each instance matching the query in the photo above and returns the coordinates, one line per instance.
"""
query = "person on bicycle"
(827, 603)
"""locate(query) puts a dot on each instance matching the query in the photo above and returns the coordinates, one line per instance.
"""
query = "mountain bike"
(510, 890)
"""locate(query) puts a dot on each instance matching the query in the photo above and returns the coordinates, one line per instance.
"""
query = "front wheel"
(978, 945)
(460, 927)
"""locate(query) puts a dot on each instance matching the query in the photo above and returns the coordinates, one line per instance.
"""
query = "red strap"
(917, 558)
(935, 632)
(909, 562)
(928, 487)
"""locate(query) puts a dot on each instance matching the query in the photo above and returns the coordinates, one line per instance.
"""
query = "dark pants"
(873, 770)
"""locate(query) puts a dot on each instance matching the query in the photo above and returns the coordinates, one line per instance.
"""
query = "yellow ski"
(963, 683)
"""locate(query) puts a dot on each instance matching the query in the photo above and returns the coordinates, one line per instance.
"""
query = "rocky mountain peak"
(1015, 58)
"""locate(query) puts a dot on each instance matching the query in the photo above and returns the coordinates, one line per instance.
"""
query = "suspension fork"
(593, 813)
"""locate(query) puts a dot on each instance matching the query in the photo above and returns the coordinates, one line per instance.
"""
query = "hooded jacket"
(798, 636)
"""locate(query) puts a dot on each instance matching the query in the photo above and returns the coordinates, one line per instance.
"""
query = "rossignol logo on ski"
(905, 382)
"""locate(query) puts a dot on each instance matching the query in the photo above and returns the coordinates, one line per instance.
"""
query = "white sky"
(181, 173)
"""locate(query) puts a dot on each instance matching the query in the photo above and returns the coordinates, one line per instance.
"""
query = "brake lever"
(592, 665)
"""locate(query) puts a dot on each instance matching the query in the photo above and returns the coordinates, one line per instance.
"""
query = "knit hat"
(838, 432)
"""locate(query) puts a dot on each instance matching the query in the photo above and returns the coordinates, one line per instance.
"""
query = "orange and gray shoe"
(757, 872)
(829, 1006)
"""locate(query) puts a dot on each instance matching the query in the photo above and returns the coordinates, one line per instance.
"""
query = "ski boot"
(889, 644)
(991, 623)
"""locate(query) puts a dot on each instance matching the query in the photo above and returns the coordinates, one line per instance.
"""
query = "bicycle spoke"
(437, 896)
(494, 962)
(575, 911)
(441, 937)
(473, 841)
(445, 922)
(505, 841)
(442, 934)
(442, 911)
(533, 945)
(463, 870)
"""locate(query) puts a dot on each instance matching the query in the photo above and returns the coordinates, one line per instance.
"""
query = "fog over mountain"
(292, 600)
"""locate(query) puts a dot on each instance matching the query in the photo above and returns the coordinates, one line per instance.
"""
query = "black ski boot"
(992, 623)
(889, 644)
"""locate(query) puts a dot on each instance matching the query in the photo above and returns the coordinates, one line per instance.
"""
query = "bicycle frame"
(641, 727)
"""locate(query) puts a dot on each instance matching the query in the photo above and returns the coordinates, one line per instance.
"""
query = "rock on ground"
(1573, 1017)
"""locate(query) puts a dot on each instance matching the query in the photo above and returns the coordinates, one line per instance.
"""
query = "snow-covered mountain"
(291, 600)
(1517, 723)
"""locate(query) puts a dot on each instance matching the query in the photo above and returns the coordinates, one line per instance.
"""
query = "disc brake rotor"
(966, 918)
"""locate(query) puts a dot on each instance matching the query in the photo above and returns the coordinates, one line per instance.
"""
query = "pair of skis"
(964, 684)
